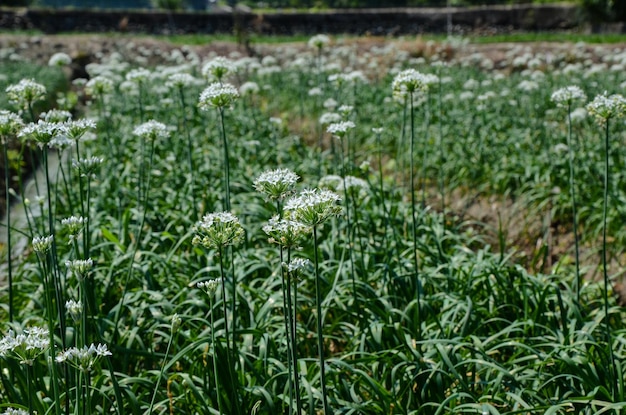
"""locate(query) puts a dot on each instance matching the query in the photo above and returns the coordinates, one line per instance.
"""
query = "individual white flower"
(25, 93)
(152, 130)
(276, 184)
(59, 59)
(217, 68)
(217, 230)
(218, 95)
(564, 97)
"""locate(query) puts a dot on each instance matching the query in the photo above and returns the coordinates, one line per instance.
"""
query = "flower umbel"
(152, 130)
(276, 184)
(25, 346)
(210, 286)
(605, 107)
(85, 357)
(284, 232)
(313, 206)
(218, 95)
(217, 230)
(25, 93)
(564, 97)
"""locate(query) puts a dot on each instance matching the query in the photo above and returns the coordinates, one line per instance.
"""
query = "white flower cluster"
(74, 224)
(76, 129)
(42, 132)
(565, 96)
(217, 230)
(217, 68)
(25, 92)
(59, 59)
(329, 118)
(217, 95)
(409, 81)
(340, 129)
(79, 267)
(298, 264)
(56, 116)
(180, 80)
(210, 286)
(87, 166)
(25, 346)
(99, 85)
(276, 184)
(152, 130)
(313, 206)
(138, 76)
(85, 357)
(318, 41)
(14, 411)
(10, 123)
(285, 232)
(604, 107)
(41, 244)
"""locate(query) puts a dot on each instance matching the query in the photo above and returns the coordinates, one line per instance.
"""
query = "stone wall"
(362, 21)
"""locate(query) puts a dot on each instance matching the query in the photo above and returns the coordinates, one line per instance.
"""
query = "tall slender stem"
(320, 335)
(226, 163)
(414, 219)
(189, 155)
(611, 366)
(7, 196)
(573, 195)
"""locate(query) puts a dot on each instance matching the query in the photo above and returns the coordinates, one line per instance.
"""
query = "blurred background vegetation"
(595, 10)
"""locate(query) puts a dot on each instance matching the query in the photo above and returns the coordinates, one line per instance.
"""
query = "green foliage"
(494, 331)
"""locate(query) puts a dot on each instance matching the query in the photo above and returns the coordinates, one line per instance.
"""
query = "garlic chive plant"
(216, 231)
(409, 84)
(564, 98)
(604, 109)
(313, 207)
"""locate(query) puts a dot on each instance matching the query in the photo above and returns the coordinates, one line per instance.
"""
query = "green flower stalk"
(210, 288)
(178, 82)
(605, 108)
(220, 96)
(174, 326)
(408, 84)
(564, 98)
(140, 78)
(10, 125)
(312, 208)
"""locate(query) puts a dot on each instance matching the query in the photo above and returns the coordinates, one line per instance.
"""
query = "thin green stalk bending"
(167, 352)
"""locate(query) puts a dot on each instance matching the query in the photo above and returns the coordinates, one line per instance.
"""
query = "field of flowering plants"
(326, 228)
